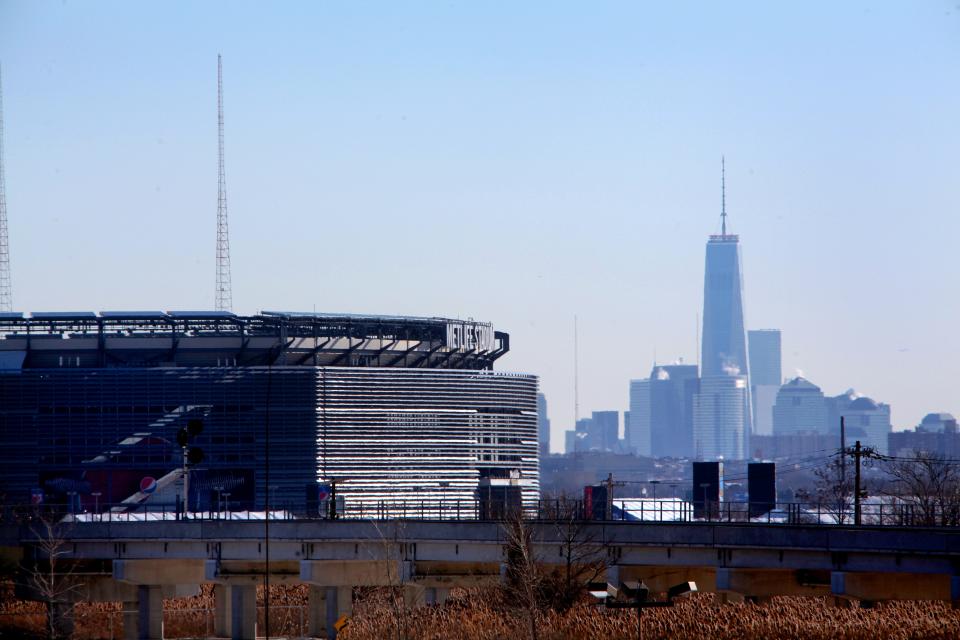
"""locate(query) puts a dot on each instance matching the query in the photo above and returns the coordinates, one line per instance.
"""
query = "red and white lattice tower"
(6, 290)
(224, 293)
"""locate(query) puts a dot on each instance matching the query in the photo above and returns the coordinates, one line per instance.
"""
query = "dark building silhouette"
(707, 489)
(761, 487)
(936, 434)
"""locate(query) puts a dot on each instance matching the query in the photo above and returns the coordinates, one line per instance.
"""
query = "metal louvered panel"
(392, 435)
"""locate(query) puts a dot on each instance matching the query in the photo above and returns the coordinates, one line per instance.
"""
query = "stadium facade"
(389, 409)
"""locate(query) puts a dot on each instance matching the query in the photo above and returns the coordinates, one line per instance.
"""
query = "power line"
(779, 472)
(915, 459)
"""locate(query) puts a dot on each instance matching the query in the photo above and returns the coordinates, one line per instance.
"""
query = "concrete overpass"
(140, 563)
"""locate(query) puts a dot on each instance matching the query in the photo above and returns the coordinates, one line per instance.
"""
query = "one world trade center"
(722, 420)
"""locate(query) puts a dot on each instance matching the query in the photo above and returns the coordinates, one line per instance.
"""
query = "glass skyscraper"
(661, 411)
(721, 429)
(765, 367)
(724, 337)
(765, 377)
(719, 418)
(543, 425)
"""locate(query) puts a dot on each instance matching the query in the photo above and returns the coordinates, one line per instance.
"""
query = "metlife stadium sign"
(470, 336)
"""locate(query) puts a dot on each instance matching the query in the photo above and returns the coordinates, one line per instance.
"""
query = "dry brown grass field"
(484, 615)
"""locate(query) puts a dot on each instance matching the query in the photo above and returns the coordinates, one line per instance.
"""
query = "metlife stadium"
(389, 409)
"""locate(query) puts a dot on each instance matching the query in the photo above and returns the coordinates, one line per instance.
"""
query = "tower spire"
(723, 196)
(224, 292)
(6, 293)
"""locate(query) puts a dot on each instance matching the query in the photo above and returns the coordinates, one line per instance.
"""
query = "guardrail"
(890, 513)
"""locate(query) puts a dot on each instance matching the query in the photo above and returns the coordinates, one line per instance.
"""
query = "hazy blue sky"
(516, 162)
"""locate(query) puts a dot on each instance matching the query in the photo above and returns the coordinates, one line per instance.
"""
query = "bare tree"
(834, 489)
(392, 552)
(525, 572)
(929, 485)
(582, 555)
(50, 575)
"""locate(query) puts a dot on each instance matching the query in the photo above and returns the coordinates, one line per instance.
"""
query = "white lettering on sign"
(469, 336)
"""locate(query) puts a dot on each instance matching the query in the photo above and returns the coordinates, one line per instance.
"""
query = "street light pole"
(654, 483)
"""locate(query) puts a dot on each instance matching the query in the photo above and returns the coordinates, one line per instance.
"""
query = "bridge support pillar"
(235, 611)
(435, 595)
(339, 603)
(325, 606)
(317, 611)
(143, 619)
(414, 595)
(613, 575)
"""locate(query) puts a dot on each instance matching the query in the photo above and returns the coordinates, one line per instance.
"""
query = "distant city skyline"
(517, 164)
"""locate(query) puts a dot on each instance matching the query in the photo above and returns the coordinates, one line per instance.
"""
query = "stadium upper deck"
(217, 338)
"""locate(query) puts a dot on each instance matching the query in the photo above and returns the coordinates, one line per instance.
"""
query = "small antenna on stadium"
(6, 291)
(224, 293)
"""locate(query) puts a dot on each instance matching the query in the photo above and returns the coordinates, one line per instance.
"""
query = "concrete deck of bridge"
(157, 571)
(355, 573)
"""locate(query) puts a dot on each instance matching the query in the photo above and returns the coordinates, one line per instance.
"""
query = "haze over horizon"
(517, 164)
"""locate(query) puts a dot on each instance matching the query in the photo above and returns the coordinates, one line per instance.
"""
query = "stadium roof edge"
(227, 315)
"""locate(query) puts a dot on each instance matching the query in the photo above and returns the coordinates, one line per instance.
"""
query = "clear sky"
(513, 162)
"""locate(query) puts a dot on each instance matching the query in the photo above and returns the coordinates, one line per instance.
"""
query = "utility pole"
(608, 508)
(843, 447)
(856, 490)
(858, 452)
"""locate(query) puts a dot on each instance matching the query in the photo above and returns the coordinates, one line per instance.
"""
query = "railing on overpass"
(898, 514)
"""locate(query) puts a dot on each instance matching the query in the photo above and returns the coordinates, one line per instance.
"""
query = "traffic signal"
(192, 455)
(194, 427)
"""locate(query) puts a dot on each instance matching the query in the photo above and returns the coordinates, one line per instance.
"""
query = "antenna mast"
(723, 196)
(224, 291)
(6, 292)
(576, 374)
